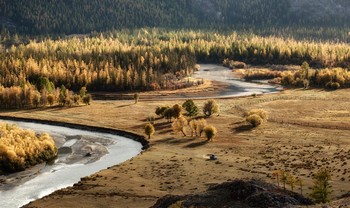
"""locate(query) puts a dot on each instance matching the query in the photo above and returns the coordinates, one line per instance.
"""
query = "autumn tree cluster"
(185, 120)
(29, 96)
(20, 148)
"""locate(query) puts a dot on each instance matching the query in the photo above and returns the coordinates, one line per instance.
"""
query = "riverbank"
(177, 165)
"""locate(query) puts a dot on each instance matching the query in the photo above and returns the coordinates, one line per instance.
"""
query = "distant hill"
(82, 16)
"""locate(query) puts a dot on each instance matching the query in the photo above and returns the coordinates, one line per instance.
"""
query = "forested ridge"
(151, 59)
(84, 16)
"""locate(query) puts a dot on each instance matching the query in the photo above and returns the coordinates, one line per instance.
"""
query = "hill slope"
(81, 16)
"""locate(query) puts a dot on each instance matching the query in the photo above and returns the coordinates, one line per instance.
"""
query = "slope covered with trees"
(152, 59)
(83, 16)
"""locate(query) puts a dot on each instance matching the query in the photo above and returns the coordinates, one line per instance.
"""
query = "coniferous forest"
(84, 16)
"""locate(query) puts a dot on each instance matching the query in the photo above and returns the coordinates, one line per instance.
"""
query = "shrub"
(210, 132)
(254, 120)
(51, 99)
(160, 110)
(261, 113)
(210, 108)
(76, 99)
(87, 99)
(190, 107)
(333, 85)
(136, 97)
(168, 114)
(149, 130)
(179, 125)
(82, 92)
(177, 111)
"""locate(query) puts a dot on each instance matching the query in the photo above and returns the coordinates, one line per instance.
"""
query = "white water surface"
(60, 175)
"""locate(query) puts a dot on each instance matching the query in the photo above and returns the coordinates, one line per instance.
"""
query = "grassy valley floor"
(307, 130)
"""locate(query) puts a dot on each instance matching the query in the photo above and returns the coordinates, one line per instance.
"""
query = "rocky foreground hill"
(238, 193)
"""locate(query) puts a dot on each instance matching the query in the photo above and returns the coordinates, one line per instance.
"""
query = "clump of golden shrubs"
(21, 148)
(256, 117)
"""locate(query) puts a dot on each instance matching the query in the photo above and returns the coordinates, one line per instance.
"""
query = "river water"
(61, 175)
(236, 87)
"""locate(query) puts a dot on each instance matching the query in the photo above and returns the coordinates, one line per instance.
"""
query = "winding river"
(62, 173)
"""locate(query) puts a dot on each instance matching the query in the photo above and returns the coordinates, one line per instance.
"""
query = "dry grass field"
(306, 130)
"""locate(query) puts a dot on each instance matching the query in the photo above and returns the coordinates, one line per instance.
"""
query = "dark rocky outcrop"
(238, 193)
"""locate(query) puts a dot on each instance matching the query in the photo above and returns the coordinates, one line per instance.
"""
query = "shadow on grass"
(197, 144)
(155, 119)
(58, 108)
(165, 131)
(127, 105)
(173, 140)
(243, 128)
(161, 126)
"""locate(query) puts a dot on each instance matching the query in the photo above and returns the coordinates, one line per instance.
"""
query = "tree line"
(152, 59)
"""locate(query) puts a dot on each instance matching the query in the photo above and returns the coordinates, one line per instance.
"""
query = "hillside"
(82, 16)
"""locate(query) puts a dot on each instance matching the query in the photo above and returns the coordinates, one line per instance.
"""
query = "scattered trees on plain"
(21, 148)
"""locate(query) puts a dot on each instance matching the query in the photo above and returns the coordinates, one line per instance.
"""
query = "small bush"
(160, 110)
(51, 99)
(168, 114)
(333, 85)
(177, 111)
(136, 97)
(254, 120)
(87, 99)
(210, 108)
(210, 132)
(149, 130)
(261, 113)
(76, 99)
